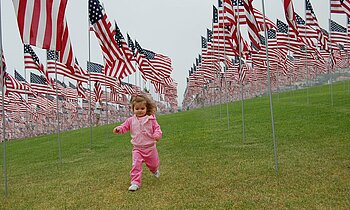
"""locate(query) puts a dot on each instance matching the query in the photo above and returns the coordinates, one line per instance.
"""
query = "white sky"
(170, 27)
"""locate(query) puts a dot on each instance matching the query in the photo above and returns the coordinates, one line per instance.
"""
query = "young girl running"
(145, 132)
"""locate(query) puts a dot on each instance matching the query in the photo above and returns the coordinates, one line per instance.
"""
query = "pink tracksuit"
(144, 131)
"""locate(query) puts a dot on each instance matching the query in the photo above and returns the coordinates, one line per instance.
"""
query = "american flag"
(54, 65)
(94, 67)
(338, 33)
(66, 55)
(38, 79)
(253, 28)
(80, 89)
(31, 60)
(209, 35)
(116, 66)
(290, 15)
(131, 44)
(239, 10)
(127, 54)
(22, 80)
(39, 84)
(122, 44)
(147, 70)
(159, 87)
(41, 22)
(98, 91)
(215, 15)
(311, 20)
(161, 63)
(96, 74)
(19, 77)
(340, 7)
(307, 34)
(15, 85)
(127, 88)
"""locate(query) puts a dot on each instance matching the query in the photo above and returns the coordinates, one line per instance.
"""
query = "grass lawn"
(205, 164)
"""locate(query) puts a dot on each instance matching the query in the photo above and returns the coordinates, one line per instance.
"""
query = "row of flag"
(295, 51)
(43, 24)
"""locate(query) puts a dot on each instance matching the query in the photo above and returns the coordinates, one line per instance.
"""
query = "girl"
(145, 132)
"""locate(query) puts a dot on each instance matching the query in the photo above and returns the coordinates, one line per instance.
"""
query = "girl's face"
(140, 109)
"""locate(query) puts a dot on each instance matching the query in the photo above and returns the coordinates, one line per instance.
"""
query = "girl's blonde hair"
(150, 104)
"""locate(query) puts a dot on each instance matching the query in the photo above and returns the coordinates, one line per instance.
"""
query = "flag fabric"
(39, 84)
(346, 6)
(96, 74)
(13, 85)
(338, 33)
(115, 65)
(161, 63)
(31, 60)
(253, 28)
(81, 90)
(146, 68)
(290, 15)
(98, 91)
(340, 7)
(19, 77)
(311, 20)
(41, 22)
(66, 55)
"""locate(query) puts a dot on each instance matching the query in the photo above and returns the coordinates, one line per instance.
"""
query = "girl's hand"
(115, 130)
(157, 137)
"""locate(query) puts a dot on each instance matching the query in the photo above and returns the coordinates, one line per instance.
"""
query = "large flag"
(41, 22)
(116, 66)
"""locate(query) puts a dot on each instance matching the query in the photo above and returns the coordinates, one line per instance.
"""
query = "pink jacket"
(143, 130)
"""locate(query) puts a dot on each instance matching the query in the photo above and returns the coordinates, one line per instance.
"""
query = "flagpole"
(306, 66)
(269, 90)
(58, 112)
(89, 55)
(240, 70)
(2, 107)
(330, 52)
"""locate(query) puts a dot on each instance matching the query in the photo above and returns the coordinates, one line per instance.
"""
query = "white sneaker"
(133, 187)
(156, 174)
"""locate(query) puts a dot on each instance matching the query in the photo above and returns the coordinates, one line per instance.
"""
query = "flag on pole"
(41, 22)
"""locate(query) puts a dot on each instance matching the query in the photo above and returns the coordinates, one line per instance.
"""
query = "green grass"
(204, 164)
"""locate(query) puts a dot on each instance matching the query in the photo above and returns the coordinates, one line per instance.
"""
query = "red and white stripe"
(41, 22)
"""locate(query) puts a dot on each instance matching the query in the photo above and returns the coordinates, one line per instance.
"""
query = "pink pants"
(149, 156)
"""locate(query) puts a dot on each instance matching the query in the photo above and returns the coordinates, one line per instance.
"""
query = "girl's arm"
(157, 134)
(123, 128)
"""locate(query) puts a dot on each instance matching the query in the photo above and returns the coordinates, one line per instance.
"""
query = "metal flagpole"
(3, 108)
(269, 90)
(57, 111)
(306, 66)
(330, 52)
(90, 112)
(240, 71)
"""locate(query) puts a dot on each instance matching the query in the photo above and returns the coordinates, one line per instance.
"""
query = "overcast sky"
(170, 27)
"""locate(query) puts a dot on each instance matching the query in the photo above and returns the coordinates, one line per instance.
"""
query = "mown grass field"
(204, 163)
